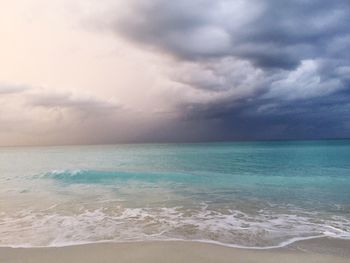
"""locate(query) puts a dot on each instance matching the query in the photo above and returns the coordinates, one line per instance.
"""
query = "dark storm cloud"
(323, 117)
(270, 33)
(282, 67)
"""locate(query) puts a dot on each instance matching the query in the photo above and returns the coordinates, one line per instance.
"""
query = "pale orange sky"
(57, 48)
(64, 48)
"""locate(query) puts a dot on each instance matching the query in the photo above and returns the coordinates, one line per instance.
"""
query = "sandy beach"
(318, 250)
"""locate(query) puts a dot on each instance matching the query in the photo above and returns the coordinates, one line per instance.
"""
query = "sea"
(241, 194)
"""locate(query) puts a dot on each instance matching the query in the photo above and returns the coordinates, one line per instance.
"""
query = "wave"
(199, 208)
(95, 176)
(229, 228)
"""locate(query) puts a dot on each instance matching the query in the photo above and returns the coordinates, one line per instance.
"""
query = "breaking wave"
(230, 228)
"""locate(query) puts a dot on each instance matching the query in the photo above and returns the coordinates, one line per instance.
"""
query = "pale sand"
(313, 251)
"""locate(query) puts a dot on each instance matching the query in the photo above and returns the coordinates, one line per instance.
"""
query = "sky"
(116, 71)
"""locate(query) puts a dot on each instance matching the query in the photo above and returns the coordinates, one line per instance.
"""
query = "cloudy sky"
(90, 71)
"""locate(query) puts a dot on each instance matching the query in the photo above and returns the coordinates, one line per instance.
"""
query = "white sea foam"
(230, 228)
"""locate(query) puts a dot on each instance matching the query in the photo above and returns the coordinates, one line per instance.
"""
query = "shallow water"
(251, 194)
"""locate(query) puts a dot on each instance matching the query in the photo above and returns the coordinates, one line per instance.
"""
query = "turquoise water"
(249, 194)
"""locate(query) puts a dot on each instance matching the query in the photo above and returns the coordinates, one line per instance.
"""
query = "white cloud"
(304, 82)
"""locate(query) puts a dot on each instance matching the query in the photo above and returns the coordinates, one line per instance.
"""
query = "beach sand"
(321, 250)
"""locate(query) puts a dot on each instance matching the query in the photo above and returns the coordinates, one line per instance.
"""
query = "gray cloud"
(270, 33)
(282, 66)
(68, 101)
(234, 69)
(6, 89)
(41, 116)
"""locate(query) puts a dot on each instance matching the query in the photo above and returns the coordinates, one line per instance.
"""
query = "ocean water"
(249, 194)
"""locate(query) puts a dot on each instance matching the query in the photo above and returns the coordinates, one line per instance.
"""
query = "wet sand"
(323, 250)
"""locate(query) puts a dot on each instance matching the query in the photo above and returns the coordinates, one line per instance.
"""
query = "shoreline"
(211, 242)
(325, 250)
